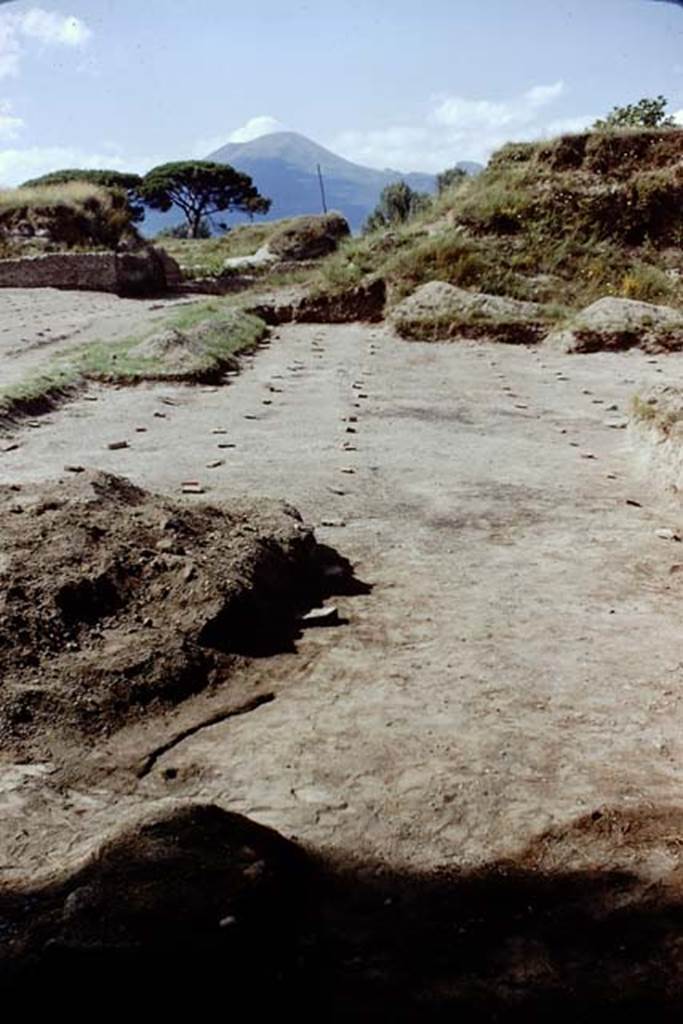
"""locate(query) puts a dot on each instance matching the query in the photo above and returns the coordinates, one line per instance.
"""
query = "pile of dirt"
(114, 601)
(309, 238)
(615, 325)
(194, 889)
(439, 310)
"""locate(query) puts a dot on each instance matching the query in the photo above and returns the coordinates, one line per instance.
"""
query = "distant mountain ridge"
(284, 165)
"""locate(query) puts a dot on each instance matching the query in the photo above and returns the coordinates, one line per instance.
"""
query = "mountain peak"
(284, 167)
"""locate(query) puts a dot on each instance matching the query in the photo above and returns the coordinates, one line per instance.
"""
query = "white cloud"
(17, 165)
(459, 128)
(264, 124)
(678, 117)
(254, 128)
(38, 26)
(52, 28)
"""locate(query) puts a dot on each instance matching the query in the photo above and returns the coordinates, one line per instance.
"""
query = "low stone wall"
(129, 273)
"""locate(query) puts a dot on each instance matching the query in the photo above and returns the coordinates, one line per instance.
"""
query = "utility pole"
(322, 188)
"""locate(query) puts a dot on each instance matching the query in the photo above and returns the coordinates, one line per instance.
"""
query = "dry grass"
(566, 221)
(72, 215)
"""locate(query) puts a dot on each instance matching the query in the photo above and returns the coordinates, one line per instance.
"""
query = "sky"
(388, 83)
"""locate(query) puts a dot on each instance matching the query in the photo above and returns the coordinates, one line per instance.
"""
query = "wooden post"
(322, 188)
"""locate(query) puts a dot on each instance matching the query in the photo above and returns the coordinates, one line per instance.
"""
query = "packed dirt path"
(514, 667)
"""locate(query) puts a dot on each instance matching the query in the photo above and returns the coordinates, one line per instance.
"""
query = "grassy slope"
(76, 214)
(204, 257)
(566, 222)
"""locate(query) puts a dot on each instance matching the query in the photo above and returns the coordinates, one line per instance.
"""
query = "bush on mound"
(309, 238)
(73, 214)
(568, 220)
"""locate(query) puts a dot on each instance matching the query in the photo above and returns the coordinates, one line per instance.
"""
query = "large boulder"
(440, 311)
(308, 238)
(617, 324)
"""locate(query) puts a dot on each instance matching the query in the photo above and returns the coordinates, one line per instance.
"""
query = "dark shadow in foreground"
(208, 913)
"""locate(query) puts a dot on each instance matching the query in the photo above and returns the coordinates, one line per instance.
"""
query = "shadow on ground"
(205, 910)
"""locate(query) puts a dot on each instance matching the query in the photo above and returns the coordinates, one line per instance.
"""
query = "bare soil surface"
(507, 691)
(115, 603)
(36, 323)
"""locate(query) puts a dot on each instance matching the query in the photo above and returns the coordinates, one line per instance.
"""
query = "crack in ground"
(221, 716)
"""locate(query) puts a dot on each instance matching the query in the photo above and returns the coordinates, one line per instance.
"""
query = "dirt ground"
(511, 679)
(37, 323)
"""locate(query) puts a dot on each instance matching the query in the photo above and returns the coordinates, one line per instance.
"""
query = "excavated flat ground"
(515, 666)
(38, 323)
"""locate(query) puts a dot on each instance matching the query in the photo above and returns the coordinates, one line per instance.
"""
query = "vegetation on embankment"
(565, 221)
(68, 215)
(196, 344)
(205, 257)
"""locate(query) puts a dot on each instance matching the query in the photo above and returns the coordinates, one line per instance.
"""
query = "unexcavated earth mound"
(193, 889)
(618, 324)
(114, 600)
(438, 311)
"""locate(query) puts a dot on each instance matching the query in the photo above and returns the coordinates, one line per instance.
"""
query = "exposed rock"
(438, 310)
(261, 259)
(364, 303)
(616, 324)
(309, 238)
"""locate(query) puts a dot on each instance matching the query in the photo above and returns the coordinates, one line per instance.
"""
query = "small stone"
(664, 533)
(160, 415)
(11, 447)
(321, 617)
(347, 469)
(521, 405)
(587, 455)
(337, 490)
(191, 487)
(215, 464)
(141, 430)
(219, 430)
(633, 503)
(226, 444)
(266, 401)
(616, 424)
(333, 523)
(250, 416)
(75, 469)
(115, 446)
